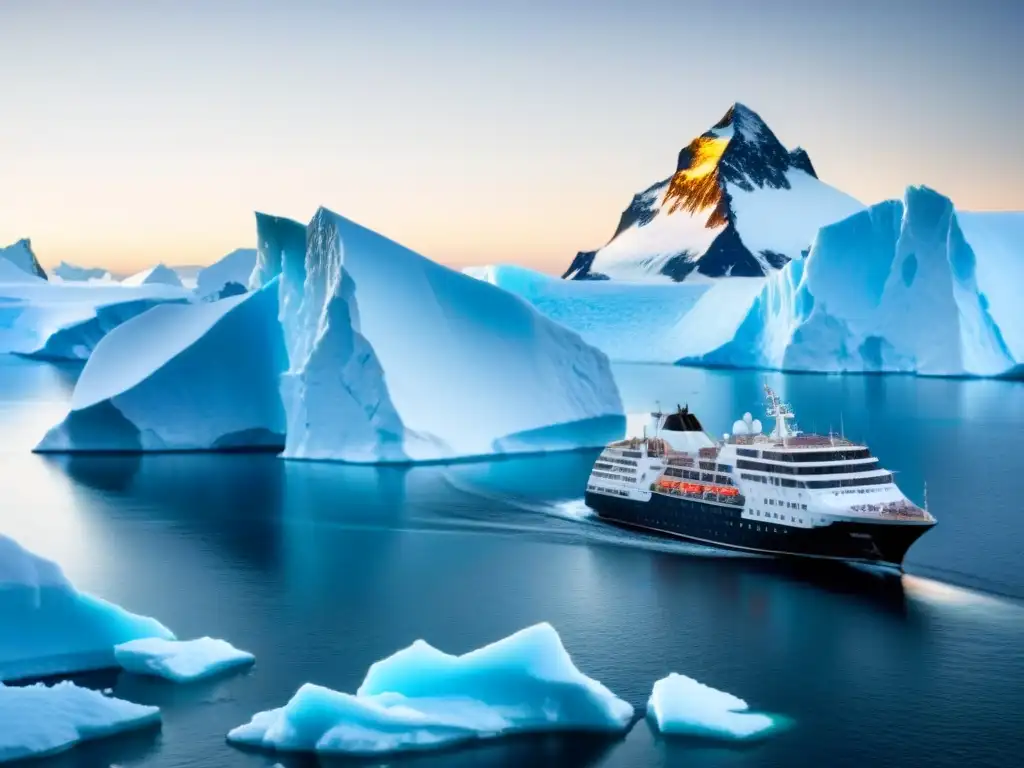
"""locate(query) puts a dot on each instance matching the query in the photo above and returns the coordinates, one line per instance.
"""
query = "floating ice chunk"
(38, 720)
(680, 705)
(47, 627)
(422, 698)
(181, 661)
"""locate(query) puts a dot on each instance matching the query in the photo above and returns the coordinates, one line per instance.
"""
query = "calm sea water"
(322, 569)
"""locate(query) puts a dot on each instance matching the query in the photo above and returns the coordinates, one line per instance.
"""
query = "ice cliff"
(393, 357)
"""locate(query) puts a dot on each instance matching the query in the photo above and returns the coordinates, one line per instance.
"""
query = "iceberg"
(181, 377)
(228, 276)
(47, 627)
(395, 358)
(39, 720)
(160, 274)
(181, 661)
(71, 273)
(421, 698)
(679, 705)
(20, 256)
(34, 311)
(892, 289)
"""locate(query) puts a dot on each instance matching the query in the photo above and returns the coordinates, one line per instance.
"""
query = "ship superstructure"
(785, 492)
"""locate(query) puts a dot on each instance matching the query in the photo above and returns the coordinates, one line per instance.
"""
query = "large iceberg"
(160, 274)
(181, 661)
(227, 276)
(182, 377)
(393, 357)
(21, 256)
(47, 627)
(422, 698)
(679, 705)
(896, 288)
(39, 720)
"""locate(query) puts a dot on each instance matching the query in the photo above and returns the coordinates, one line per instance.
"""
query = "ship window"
(803, 506)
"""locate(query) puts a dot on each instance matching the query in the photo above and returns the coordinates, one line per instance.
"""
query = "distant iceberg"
(182, 377)
(21, 256)
(71, 273)
(421, 698)
(47, 627)
(39, 720)
(679, 705)
(160, 274)
(394, 358)
(181, 661)
(229, 276)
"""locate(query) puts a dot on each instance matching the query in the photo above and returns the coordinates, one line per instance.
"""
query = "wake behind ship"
(786, 493)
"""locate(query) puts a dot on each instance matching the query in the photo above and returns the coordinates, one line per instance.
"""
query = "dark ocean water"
(322, 569)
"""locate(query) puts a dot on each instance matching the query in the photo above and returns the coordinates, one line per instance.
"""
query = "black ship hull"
(722, 525)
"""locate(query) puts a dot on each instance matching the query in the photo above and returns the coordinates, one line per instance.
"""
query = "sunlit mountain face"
(738, 205)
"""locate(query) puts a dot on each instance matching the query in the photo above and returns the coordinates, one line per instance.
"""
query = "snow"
(34, 311)
(47, 627)
(198, 376)
(633, 322)
(679, 705)
(159, 274)
(40, 720)
(181, 661)
(894, 288)
(786, 220)
(235, 268)
(639, 252)
(21, 256)
(421, 698)
(71, 273)
(395, 358)
(12, 273)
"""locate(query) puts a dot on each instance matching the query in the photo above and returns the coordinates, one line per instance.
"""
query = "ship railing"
(897, 509)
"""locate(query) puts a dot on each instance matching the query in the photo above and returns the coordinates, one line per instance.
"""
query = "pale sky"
(474, 131)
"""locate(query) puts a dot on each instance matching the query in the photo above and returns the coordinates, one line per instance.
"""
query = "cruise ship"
(785, 493)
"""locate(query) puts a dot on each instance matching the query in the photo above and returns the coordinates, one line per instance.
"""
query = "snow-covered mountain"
(20, 255)
(160, 274)
(739, 204)
(72, 273)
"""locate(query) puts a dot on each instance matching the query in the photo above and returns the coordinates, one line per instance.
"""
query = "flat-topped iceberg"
(39, 720)
(47, 627)
(181, 661)
(421, 698)
(679, 705)
(198, 376)
(395, 358)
